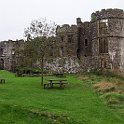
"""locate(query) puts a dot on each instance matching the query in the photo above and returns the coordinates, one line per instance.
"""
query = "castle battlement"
(107, 13)
(66, 28)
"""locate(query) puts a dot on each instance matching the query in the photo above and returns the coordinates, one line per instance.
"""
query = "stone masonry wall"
(63, 65)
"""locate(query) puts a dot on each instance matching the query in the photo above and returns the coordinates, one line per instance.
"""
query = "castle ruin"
(85, 46)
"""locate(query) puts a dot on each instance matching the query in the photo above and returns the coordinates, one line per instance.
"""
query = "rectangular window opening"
(62, 38)
(103, 26)
(103, 45)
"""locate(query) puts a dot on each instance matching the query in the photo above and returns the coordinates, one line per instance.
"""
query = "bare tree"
(42, 45)
(39, 28)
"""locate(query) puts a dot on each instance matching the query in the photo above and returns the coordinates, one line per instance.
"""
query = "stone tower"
(108, 39)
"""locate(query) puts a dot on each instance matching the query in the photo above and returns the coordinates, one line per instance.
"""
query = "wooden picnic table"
(51, 82)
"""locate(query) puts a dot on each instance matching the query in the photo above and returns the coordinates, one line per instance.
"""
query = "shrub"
(30, 71)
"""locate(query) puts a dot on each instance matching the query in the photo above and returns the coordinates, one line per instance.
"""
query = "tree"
(42, 45)
(40, 36)
(39, 28)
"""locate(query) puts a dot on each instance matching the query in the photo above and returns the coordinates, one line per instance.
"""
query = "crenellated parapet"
(107, 13)
(66, 28)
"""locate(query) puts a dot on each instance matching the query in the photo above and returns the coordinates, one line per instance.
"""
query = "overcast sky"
(15, 15)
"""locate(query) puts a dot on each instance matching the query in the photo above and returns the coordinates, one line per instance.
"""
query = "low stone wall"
(74, 65)
(66, 65)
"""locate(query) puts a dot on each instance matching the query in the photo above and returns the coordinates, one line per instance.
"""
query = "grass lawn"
(24, 101)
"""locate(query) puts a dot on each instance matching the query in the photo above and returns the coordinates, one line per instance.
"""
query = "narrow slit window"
(86, 42)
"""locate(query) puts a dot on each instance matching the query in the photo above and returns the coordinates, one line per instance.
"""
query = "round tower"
(109, 37)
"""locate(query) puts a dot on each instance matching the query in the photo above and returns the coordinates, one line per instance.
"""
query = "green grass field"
(24, 101)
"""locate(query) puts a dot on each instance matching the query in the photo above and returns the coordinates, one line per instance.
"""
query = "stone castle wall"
(85, 46)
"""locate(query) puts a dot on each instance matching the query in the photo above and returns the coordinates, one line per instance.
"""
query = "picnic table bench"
(60, 82)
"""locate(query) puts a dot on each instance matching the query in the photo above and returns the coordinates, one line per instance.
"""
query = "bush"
(30, 71)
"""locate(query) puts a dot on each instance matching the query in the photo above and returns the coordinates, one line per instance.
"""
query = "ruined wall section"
(7, 54)
(122, 47)
(88, 46)
(63, 65)
(2, 55)
(94, 39)
(65, 59)
(85, 39)
(67, 40)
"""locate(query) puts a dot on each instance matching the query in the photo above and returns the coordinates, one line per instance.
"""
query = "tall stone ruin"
(96, 44)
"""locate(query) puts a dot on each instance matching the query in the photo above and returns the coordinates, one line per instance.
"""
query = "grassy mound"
(16, 115)
(26, 115)
(104, 87)
(113, 98)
